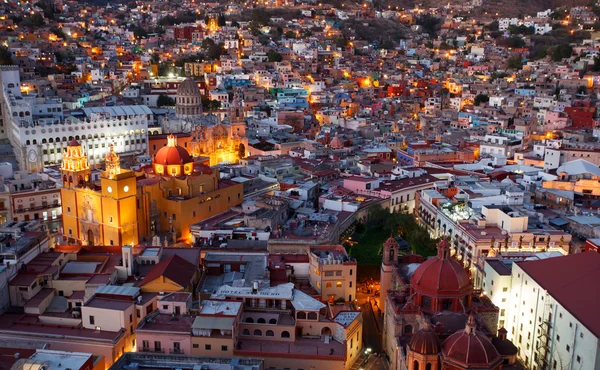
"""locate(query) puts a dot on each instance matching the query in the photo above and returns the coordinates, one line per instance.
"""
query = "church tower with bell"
(390, 258)
(92, 215)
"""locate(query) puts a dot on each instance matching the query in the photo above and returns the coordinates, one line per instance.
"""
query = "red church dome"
(336, 143)
(172, 154)
(425, 341)
(468, 349)
(441, 274)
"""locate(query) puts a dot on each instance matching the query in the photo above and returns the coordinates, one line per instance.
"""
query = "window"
(165, 307)
(92, 320)
(568, 348)
(269, 333)
(110, 219)
(195, 345)
(245, 332)
(223, 348)
(157, 345)
(505, 289)
(328, 285)
(145, 344)
(257, 333)
(285, 334)
(350, 272)
(350, 284)
(502, 311)
(138, 313)
(207, 347)
(558, 338)
(338, 284)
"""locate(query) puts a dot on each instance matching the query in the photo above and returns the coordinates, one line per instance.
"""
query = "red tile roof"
(173, 268)
(573, 282)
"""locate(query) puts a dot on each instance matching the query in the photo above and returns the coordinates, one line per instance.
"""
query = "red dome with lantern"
(468, 349)
(425, 341)
(172, 160)
(172, 153)
(441, 283)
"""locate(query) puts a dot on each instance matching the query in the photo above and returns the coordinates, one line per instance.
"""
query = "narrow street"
(372, 357)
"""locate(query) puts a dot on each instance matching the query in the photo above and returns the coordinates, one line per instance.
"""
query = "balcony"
(152, 350)
(176, 351)
(37, 208)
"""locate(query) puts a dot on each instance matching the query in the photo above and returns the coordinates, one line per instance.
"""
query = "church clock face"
(32, 156)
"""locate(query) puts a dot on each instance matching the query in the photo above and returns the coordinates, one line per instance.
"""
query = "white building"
(41, 142)
(552, 315)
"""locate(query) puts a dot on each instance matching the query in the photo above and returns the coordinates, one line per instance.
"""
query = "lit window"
(126, 189)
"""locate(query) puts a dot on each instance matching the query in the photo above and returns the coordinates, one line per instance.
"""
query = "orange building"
(98, 215)
(127, 207)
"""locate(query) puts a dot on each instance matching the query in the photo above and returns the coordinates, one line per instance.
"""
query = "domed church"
(188, 103)
(434, 319)
(128, 207)
(217, 138)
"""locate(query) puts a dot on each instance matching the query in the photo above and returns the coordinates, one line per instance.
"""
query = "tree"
(341, 42)
(260, 16)
(58, 32)
(481, 98)
(47, 7)
(139, 32)
(241, 150)
(493, 26)
(388, 45)
(5, 56)
(165, 101)
(561, 51)
(431, 24)
(515, 62)
(596, 66)
(403, 225)
(221, 20)
(208, 104)
(274, 56)
(290, 35)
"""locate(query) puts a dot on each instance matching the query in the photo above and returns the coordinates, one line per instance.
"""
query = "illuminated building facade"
(98, 216)
(178, 192)
(221, 142)
(166, 198)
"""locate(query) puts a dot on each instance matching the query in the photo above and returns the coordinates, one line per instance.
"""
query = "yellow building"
(177, 192)
(98, 216)
(127, 207)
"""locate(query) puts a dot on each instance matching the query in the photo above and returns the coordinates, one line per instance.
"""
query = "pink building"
(167, 330)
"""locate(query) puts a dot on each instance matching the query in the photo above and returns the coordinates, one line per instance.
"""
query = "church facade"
(215, 139)
(126, 207)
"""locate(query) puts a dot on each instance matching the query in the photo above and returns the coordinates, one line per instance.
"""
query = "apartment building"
(551, 316)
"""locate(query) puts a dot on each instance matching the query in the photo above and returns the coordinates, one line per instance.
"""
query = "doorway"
(90, 236)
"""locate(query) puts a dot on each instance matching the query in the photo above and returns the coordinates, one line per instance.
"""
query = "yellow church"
(126, 207)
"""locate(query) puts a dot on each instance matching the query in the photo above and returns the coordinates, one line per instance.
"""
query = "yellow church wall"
(69, 213)
(89, 213)
(184, 213)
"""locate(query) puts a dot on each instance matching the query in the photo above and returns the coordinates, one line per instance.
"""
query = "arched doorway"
(90, 236)
(326, 332)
